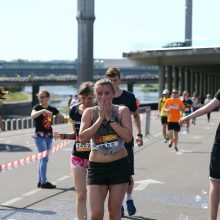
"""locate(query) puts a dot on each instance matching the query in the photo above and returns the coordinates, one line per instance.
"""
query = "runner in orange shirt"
(174, 106)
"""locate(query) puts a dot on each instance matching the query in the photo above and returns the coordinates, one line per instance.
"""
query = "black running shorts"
(214, 167)
(173, 126)
(110, 173)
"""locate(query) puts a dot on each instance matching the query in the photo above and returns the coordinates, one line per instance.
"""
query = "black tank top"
(79, 150)
(106, 141)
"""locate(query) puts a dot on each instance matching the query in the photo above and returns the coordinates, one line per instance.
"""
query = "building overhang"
(202, 58)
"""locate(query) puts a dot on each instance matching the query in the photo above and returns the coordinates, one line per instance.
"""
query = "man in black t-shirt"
(126, 98)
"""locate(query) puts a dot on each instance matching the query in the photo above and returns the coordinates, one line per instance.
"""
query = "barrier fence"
(22, 123)
(18, 123)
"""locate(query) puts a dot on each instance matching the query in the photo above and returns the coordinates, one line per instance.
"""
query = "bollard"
(147, 127)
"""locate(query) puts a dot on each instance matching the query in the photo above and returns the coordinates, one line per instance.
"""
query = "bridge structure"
(38, 73)
(36, 82)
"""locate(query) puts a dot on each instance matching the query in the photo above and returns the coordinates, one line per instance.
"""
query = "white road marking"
(30, 193)
(142, 184)
(63, 178)
(11, 201)
(197, 137)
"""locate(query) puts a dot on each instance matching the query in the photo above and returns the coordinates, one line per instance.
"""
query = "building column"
(161, 79)
(205, 83)
(169, 78)
(182, 79)
(176, 77)
(192, 81)
(209, 86)
(187, 82)
(201, 85)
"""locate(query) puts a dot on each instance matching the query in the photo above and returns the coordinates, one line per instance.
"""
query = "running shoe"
(170, 144)
(165, 141)
(130, 207)
(176, 149)
(47, 185)
(38, 184)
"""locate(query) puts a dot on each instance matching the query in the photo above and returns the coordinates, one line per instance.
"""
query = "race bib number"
(83, 147)
(107, 145)
(174, 107)
(187, 109)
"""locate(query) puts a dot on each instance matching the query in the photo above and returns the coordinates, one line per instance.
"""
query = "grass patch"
(150, 88)
(16, 96)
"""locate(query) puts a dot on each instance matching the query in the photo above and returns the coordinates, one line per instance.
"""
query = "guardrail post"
(147, 128)
(32, 122)
(8, 122)
(5, 126)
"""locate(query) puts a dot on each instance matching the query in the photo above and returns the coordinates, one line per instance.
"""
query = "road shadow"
(138, 218)
(25, 210)
(13, 148)
(13, 210)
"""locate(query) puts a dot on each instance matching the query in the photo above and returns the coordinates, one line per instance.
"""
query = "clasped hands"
(105, 110)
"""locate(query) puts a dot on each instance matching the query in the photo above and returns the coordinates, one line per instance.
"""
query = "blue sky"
(47, 29)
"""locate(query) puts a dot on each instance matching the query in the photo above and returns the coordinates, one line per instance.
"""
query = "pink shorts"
(79, 162)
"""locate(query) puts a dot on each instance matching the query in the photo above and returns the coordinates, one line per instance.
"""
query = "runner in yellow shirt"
(163, 114)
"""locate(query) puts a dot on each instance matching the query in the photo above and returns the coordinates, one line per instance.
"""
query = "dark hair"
(47, 94)
(113, 72)
(105, 82)
(86, 88)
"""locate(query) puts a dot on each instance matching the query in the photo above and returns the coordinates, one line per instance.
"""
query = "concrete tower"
(85, 17)
(188, 22)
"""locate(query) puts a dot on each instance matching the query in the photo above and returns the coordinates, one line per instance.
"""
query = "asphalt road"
(168, 185)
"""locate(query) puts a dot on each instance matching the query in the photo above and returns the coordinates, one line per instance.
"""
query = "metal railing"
(11, 124)
(18, 123)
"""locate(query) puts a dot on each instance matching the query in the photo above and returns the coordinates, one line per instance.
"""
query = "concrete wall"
(18, 109)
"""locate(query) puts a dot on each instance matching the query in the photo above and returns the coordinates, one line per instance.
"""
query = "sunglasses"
(41, 97)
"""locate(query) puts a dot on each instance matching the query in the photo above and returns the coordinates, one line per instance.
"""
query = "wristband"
(140, 135)
(64, 136)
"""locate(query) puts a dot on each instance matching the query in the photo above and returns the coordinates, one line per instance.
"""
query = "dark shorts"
(163, 120)
(111, 173)
(173, 126)
(214, 167)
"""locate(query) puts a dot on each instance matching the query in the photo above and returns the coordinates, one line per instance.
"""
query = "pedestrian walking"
(188, 107)
(80, 152)
(214, 167)
(206, 102)
(174, 106)
(163, 114)
(196, 104)
(108, 126)
(125, 98)
(42, 114)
